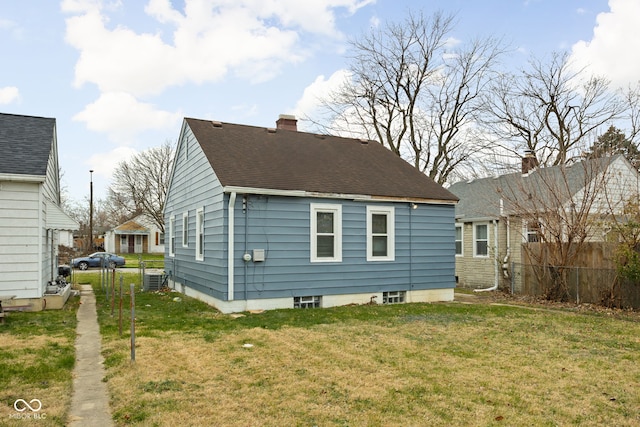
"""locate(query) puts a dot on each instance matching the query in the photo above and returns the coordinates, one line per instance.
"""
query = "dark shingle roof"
(544, 186)
(255, 157)
(25, 144)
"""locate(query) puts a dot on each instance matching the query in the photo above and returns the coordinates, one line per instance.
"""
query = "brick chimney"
(287, 122)
(529, 162)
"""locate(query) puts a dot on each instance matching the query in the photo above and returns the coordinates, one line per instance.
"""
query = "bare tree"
(550, 109)
(140, 184)
(413, 92)
(561, 209)
(632, 104)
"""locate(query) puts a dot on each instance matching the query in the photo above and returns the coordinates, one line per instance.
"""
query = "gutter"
(320, 195)
(231, 246)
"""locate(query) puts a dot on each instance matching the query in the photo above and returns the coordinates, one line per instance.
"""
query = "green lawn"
(150, 260)
(405, 365)
(37, 356)
(411, 364)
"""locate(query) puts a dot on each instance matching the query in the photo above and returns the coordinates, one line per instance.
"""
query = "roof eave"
(21, 178)
(321, 195)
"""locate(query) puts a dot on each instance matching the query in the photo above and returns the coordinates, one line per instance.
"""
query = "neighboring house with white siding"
(264, 218)
(31, 218)
(496, 216)
(139, 235)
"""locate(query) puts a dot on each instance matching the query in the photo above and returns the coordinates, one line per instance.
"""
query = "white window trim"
(199, 225)
(475, 240)
(389, 211)
(337, 231)
(185, 229)
(526, 231)
(461, 227)
(172, 252)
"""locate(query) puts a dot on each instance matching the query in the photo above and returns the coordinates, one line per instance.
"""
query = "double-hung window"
(459, 242)
(185, 229)
(533, 232)
(380, 233)
(200, 234)
(326, 232)
(481, 240)
(172, 236)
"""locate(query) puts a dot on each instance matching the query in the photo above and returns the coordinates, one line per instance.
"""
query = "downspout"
(411, 208)
(245, 209)
(230, 245)
(496, 266)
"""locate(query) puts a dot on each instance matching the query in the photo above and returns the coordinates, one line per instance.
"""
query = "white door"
(138, 244)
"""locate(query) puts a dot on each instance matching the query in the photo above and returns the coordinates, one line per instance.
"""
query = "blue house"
(264, 218)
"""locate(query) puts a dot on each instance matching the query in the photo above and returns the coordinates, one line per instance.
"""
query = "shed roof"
(279, 159)
(25, 144)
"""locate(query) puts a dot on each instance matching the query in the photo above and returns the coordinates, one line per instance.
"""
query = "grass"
(150, 260)
(37, 357)
(411, 364)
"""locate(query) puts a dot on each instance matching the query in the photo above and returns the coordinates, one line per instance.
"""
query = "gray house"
(263, 218)
(31, 220)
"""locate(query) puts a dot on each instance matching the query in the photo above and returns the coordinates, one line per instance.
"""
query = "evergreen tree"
(613, 142)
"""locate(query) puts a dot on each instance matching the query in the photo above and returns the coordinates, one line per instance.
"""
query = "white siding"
(20, 239)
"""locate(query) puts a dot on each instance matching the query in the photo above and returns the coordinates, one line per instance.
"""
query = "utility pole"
(91, 211)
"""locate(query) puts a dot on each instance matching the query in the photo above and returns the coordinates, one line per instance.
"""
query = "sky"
(119, 76)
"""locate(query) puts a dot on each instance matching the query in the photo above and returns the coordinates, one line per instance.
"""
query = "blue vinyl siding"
(194, 185)
(280, 226)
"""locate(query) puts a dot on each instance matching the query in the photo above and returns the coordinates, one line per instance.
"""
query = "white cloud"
(612, 49)
(104, 163)
(122, 116)
(313, 95)
(209, 39)
(9, 94)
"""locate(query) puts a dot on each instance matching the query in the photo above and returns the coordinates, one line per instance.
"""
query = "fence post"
(133, 322)
(578, 286)
(120, 307)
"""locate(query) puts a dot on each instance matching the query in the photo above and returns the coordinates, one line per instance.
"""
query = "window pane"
(379, 223)
(379, 245)
(458, 233)
(481, 232)
(324, 222)
(324, 247)
(481, 248)
(458, 248)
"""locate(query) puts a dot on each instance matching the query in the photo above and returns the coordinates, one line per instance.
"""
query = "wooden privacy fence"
(592, 278)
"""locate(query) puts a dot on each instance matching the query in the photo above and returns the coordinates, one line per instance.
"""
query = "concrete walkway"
(90, 400)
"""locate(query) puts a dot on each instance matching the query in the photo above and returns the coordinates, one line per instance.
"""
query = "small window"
(396, 297)
(172, 236)
(380, 233)
(307, 302)
(326, 233)
(459, 245)
(161, 238)
(533, 232)
(185, 230)
(481, 240)
(200, 234)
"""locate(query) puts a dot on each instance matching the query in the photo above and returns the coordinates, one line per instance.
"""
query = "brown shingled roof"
(255, 157)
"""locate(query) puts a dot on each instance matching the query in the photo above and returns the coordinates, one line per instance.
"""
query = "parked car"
(98, 259)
